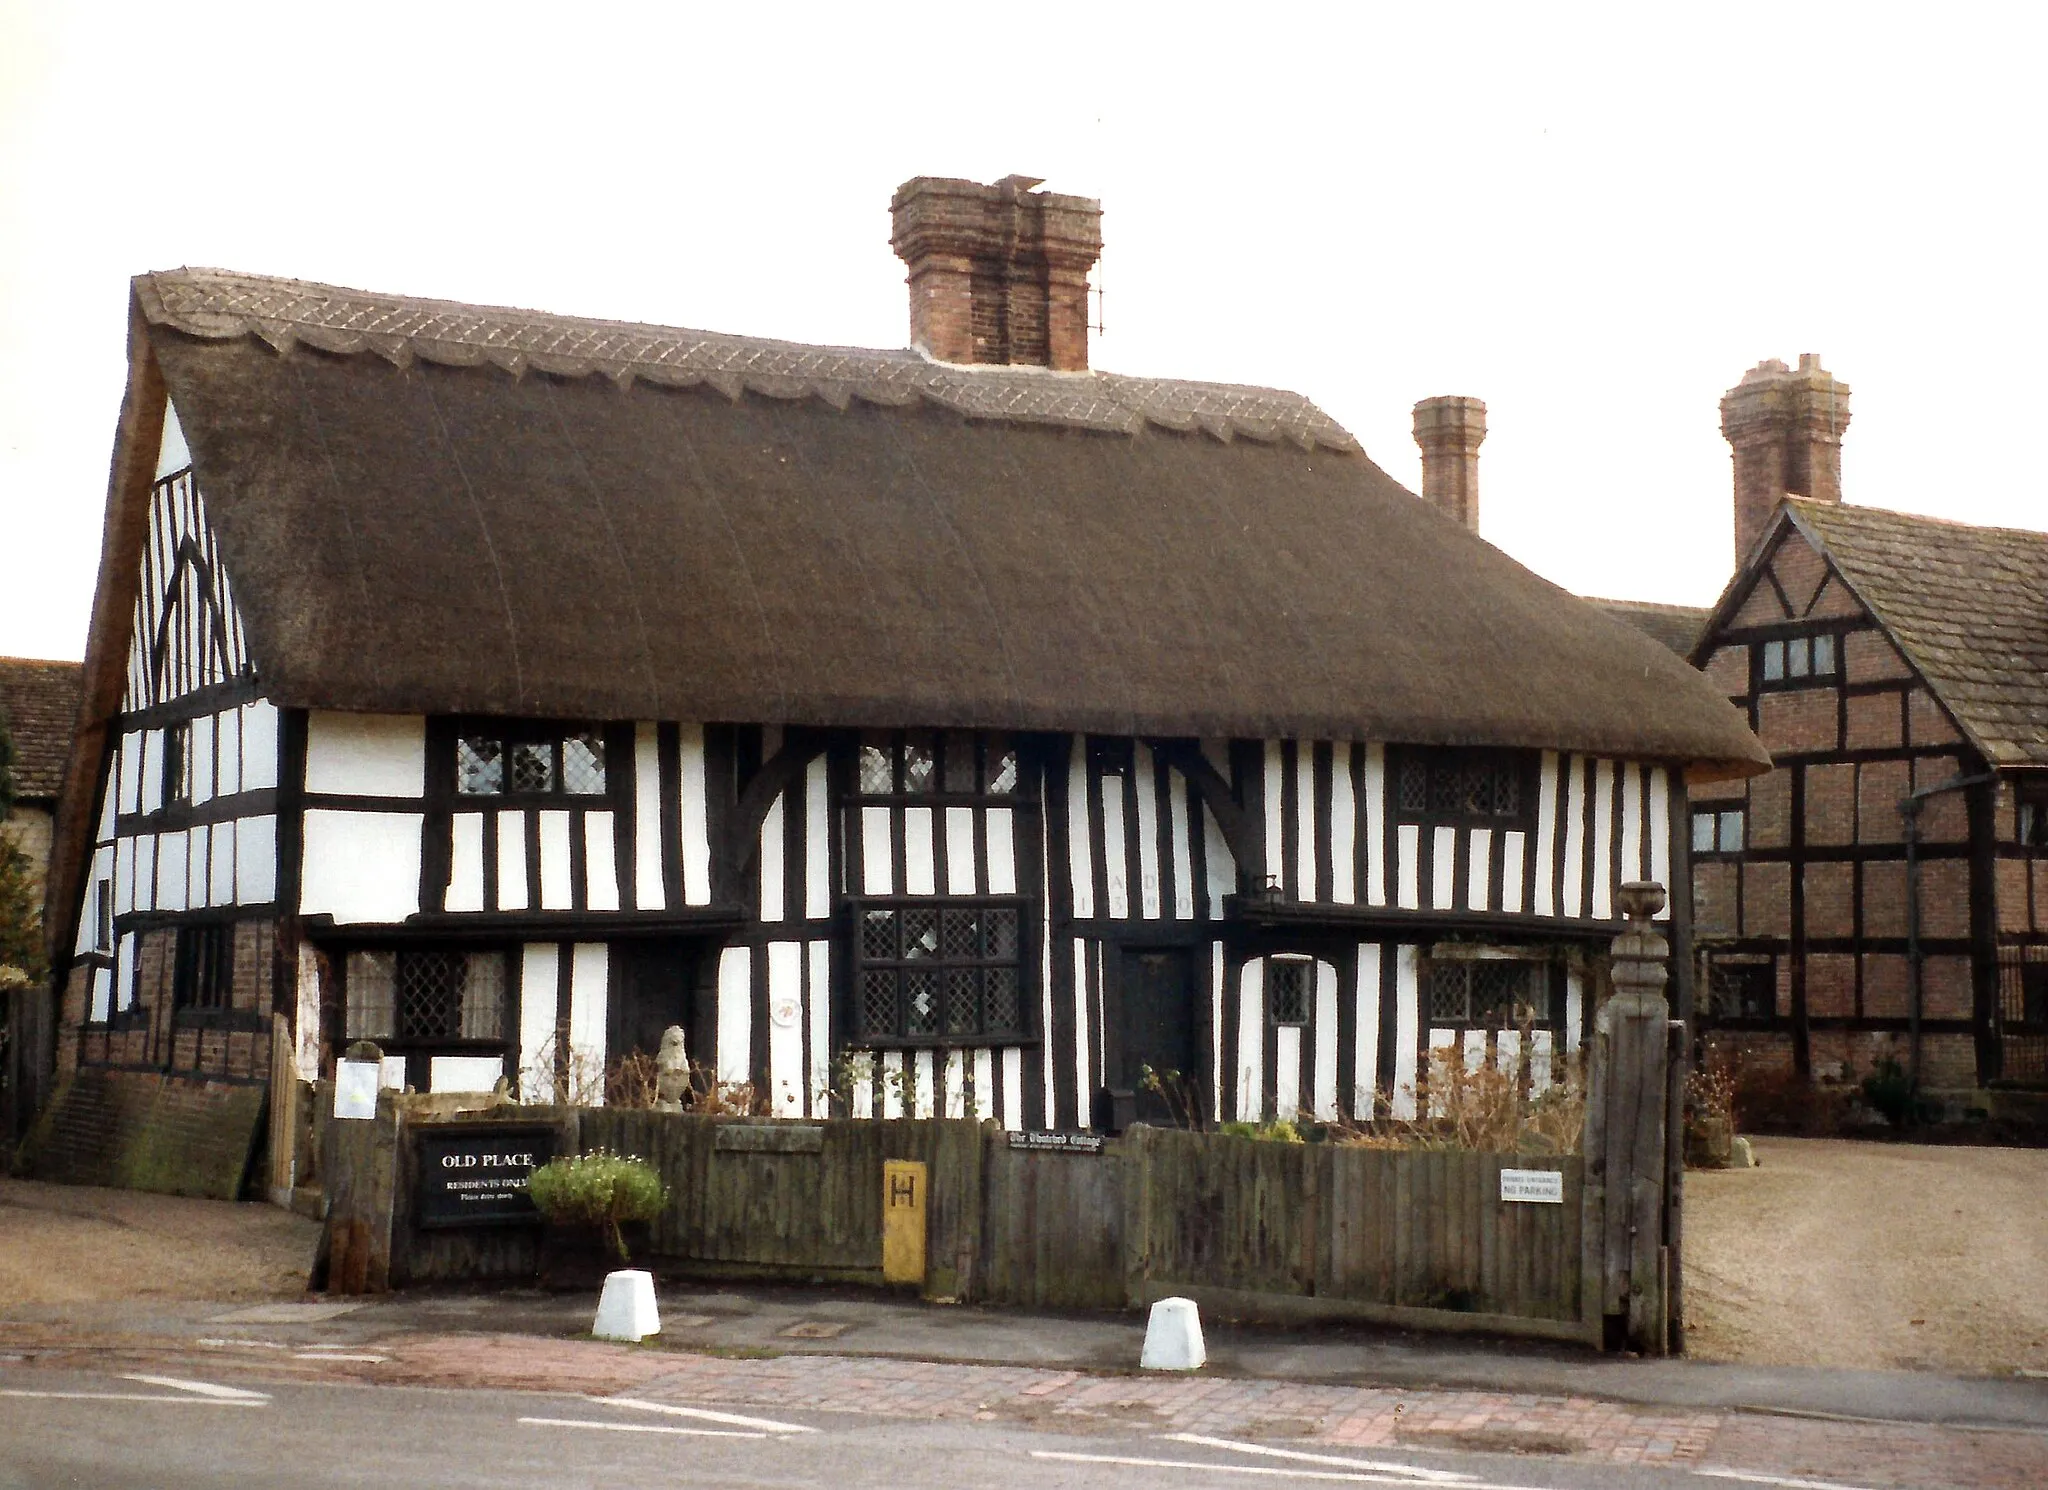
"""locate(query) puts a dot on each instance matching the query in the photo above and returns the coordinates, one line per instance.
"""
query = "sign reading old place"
(475, 1174)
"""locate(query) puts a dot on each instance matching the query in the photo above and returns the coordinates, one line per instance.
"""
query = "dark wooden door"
(1157, 1029)
(654, 987)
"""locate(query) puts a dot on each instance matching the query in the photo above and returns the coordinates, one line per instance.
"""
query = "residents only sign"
(1541, 1186)
(475, 1175)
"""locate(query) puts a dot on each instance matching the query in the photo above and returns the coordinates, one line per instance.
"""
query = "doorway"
(655, 987)
(1157, 1029)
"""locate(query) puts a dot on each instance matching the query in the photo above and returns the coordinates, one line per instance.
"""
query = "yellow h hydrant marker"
(903, 1196)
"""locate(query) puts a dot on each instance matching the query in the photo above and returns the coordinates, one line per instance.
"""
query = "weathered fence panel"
(1052, 1233)
(1415, 1230)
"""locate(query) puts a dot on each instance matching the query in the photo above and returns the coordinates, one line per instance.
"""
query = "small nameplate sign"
(1542, 1186)
(1057, 1143)
(769, 1138)
(473, 1175)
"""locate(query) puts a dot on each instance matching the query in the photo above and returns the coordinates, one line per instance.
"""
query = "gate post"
(1631, 1052)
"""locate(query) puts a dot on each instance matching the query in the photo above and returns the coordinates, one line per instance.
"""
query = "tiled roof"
(1967, 605)
(38, 707)
(218, 304)
(1674, 626)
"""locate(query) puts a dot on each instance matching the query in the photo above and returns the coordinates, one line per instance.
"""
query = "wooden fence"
(1249, 1228)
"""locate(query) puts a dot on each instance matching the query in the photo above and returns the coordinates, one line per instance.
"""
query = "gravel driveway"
(1841, 1253)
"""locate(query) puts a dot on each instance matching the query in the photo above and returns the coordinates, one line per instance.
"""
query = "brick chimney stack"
(1786, 429)
(997, 273)
(1450, 430)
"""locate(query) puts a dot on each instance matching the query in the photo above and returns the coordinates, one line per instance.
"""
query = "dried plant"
(562, 1074)
(633, 1081)
(1483, 1108)
(1179, 1093)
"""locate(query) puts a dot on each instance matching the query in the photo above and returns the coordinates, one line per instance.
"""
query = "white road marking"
(639, 1428)
(1268, 1471)
(339, 1355)
(1772, 1479)
(215, 1340)
(202, 1388)
(138, 1397)
(705, 1413)
(1434, 1476)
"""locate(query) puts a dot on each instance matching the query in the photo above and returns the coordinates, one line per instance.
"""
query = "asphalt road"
(155, 1432)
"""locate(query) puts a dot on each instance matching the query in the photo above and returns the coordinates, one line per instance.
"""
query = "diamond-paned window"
(1458, 785)
(425, 998)
(531, 761)
(1287, 989)
(533, 767)
(583, 765)
(1498, 993)
(479, 766)
(956, 764)
(949, 971)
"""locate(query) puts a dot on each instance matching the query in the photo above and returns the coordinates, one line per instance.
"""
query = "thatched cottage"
(952, 728)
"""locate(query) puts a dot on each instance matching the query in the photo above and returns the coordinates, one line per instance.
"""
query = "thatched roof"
(38, 708)
(1674, 627)
(432, 507)
(1968, 606)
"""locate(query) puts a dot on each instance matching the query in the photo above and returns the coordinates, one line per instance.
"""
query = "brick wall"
(1770, 810)
(1887, 985)
(1830, 900)
(1831, 804)
(1874, 721)
(1713, 898)
(1879, 786)
(141, 1131)
(1868, 657)
(1884, 897)
(1800, 719)
(1767, 900)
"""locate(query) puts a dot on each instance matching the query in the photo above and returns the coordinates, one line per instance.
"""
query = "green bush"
(599, 1188)
(1889, 1090)
(1278, 1131)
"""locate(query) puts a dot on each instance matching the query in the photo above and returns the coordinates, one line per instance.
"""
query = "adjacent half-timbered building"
(951, 729)
(1883, 893)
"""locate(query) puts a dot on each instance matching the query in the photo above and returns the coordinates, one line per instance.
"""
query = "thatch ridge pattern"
(282, 313)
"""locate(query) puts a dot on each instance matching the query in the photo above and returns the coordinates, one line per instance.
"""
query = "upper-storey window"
(2033, 814)
(1795, 659)
(928, 763)
(530, 763)
(177, 763)
(1717, 828)
(1484, 786)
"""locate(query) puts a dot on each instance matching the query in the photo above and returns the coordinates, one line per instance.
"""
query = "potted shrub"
(592, 1204)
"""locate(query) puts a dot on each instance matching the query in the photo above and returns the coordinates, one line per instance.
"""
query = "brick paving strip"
(1879, 1456)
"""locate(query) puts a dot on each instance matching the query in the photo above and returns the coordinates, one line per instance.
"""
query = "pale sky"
(1594, 218)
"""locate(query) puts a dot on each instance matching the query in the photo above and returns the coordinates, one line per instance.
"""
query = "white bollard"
(1173, 1337)
(625, 1310)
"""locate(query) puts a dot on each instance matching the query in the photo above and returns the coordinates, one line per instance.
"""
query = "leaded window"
(938, 971)
(491, 763)
(203, 967)
(1493, 991)
(422, 997)
(933, 763)
(1488, 785)
(1287, 980)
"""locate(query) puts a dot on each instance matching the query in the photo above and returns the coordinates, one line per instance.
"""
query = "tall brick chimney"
(1450, 430)
(997, 273)
(1786, 430)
